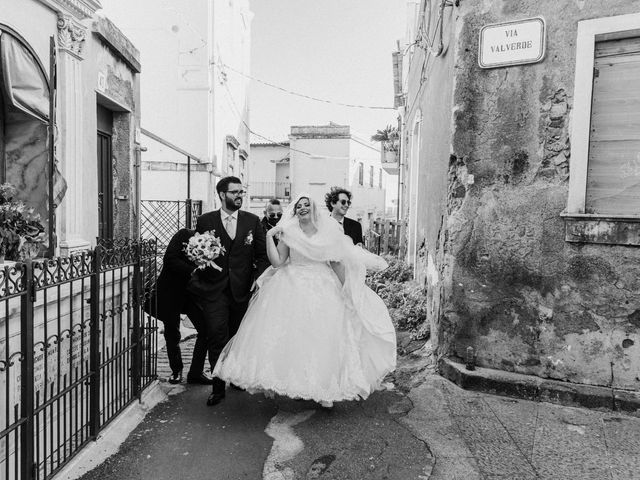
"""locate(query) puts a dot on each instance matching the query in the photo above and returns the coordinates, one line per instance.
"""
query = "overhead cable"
(274, 142)
(308, 97)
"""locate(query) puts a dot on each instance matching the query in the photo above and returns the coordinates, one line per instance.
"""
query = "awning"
(25, 86)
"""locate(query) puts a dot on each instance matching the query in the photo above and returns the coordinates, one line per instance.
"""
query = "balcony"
(389, 158)
(279, 190)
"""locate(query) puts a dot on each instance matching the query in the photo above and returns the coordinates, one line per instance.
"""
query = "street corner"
(353, 440)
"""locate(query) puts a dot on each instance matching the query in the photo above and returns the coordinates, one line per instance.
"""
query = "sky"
(338, 50)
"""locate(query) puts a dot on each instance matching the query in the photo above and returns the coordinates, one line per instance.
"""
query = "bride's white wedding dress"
(305, 335)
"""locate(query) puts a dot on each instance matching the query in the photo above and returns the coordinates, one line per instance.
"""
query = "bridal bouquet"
(203, 248)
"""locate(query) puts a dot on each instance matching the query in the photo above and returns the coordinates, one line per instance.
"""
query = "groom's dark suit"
(223, 296)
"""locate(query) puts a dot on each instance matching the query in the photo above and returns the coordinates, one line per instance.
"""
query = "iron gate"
(161, 219)
(75, 350)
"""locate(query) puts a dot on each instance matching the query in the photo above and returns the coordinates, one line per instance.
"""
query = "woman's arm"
(339, 269)
(277, 254)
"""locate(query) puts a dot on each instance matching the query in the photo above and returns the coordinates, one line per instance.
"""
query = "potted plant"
(389, 137)
(21, 232)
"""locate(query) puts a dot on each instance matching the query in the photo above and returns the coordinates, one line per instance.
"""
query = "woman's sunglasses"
(345, 202)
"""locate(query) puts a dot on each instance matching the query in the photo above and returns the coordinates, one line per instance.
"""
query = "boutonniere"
(248, 240)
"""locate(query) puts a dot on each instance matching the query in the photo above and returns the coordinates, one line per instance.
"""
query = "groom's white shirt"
(229, 227)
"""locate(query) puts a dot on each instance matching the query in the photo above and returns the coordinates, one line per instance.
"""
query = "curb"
(110, 439)
(538, 389)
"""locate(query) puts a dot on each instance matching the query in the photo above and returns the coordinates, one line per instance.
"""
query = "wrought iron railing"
(161, 219)
(75, 350)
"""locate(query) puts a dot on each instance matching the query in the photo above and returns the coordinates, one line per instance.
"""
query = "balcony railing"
(280, 190)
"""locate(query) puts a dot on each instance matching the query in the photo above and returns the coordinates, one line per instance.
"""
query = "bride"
(314, 330)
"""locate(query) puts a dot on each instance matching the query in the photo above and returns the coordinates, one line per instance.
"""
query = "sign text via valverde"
(512, 43)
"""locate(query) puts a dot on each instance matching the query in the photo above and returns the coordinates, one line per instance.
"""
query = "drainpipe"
(137, 172)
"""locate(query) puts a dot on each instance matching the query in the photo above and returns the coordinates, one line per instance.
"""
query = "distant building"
(315, 159)
(521, 184)
(97, 109)
(269, 167)
(193, 90)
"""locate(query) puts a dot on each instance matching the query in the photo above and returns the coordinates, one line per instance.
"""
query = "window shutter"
(613, 178)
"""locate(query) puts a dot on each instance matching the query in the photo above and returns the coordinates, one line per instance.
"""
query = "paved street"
(423, 427)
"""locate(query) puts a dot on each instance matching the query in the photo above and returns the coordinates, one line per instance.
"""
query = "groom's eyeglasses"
(274, 215)
(236, 193)
(345, 202)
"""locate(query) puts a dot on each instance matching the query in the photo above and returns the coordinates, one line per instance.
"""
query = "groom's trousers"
(221, 316)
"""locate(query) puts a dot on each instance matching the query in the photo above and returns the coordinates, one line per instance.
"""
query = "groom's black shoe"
(201, 379)
(214, 399)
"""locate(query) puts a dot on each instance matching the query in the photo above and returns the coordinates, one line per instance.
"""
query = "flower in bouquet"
(203, 248)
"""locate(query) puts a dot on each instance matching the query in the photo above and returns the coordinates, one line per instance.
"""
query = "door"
(105, 187)
(105, 173)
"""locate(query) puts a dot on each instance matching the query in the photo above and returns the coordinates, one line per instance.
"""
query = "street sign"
(512, 43)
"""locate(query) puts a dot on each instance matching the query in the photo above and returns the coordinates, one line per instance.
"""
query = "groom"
(223, 296)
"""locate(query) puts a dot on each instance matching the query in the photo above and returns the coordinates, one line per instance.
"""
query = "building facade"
(195, 91)
(270, 177)
(84, 89)
(520, 183)
(315, 159)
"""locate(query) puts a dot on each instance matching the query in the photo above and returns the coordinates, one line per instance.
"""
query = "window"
(230, 158)
(604, 183)
(371, 176)
(360, 173)
(613, 172)
(380, 178)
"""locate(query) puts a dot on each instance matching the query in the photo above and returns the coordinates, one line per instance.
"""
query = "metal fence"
(161, 219)
(384, 237)
(75, 350)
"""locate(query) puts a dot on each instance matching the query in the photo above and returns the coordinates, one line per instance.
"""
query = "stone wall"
(501, 277)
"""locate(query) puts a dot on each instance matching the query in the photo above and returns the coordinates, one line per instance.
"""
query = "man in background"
(272, 214)
(171, 298)
(338, 201)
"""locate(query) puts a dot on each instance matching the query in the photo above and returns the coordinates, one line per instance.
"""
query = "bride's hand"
(275, 231)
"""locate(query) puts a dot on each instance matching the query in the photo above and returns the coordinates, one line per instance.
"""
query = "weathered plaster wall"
(430, 84)
(504, 279)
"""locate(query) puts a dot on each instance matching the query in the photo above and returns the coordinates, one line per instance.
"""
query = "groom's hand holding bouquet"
(203, 248)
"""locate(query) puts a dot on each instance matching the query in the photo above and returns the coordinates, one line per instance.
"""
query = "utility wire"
(239, 115)
(308, 97)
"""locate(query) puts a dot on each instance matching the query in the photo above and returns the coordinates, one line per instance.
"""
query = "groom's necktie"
(230, 226)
